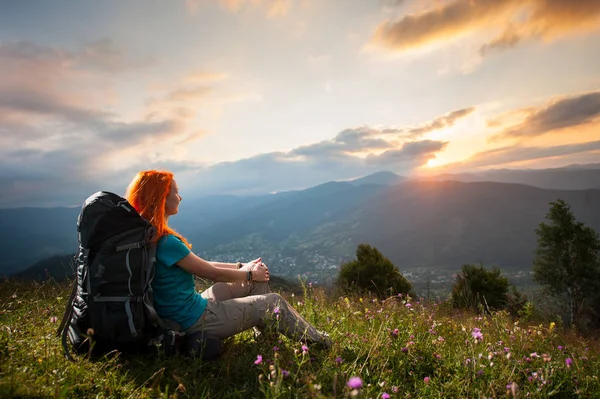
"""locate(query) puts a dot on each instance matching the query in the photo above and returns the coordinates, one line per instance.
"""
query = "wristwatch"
(249, 275)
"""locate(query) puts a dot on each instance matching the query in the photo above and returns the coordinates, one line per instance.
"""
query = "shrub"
(372, 272)
(479, 289)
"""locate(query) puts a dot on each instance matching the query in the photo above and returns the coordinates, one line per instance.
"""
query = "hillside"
(397, 348)
(416, 223)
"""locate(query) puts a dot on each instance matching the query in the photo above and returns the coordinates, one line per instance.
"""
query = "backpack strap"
(153, 316)
(62, 328)
(68, 310)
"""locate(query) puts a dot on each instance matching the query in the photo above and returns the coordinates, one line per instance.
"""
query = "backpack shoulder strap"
(68, 311)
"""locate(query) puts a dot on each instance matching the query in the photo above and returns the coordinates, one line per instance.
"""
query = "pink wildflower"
(355, 383)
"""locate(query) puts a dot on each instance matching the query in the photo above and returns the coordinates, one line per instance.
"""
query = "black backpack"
(111, 305)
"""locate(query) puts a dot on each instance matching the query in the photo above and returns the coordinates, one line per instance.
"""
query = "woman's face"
(173, 200)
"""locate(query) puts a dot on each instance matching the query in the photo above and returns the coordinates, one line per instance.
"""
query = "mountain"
(386, 178)
(449, 223)
(57, 267)
(28, 235)
(572, 177)
(416, 223)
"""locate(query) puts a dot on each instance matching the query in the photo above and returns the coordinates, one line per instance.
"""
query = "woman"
(240, 300)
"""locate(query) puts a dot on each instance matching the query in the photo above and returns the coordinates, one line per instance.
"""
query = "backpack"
(111, 304)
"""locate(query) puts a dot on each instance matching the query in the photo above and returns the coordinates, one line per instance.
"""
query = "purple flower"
(408, 305)
(338, 360)
(560, 347)
(304, 349)
(276, 310)
(258, 359)
(284, 373)
(404, 350)
(275, 348)
(395, 332)
(426, 380)
(354, 383)
(477, 334)
(385, 395)
(568, 362)
(394, 389)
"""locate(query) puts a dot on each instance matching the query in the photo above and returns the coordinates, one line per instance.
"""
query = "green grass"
(433, 354)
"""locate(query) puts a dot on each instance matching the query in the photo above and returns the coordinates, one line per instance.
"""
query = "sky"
(248, 97)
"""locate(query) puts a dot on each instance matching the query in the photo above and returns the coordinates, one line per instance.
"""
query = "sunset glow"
(251, 96)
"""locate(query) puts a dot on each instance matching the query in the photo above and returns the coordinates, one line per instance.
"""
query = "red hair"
(147, 193)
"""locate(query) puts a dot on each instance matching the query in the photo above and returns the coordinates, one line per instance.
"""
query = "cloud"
(519, 153)
(511, 21)
(440, 122)
(108, 155)
(307, 166)
(417, 153)
(52, 109)
(557, 114)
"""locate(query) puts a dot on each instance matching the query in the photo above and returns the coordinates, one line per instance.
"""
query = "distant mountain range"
(440, 222)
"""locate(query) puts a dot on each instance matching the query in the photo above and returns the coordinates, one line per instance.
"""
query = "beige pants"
(235, 307)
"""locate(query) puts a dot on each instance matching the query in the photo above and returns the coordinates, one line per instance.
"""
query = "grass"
(397, 347)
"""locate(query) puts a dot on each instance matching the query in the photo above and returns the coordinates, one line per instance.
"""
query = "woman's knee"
(274, 299)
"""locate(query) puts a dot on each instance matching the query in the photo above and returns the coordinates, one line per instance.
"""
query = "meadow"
(400, 347)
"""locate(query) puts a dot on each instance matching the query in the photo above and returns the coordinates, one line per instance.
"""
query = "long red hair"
(147, 193)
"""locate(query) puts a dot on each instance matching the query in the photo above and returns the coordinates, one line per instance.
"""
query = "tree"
(476, 288)
(567, 262)
(372, 272)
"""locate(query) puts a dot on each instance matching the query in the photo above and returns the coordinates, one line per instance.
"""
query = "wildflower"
(284, 373)
(258, 360)
(404, 350)
(395, 332)
(560, 347)
(568, 362)
(304, 349)
(426, 380)
(546, 357)
(355, 383)
(477, 334)
(385, 395)
(506, 349)
(338, 360)
(309, 285)
(275, 348)
(53, 319)
(394, 389)
(408, 305)
(512, 389)
(276, 310)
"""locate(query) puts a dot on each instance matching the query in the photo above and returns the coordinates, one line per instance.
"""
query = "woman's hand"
(260, 273)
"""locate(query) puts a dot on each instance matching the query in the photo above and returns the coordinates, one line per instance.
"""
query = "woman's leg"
(227, 318)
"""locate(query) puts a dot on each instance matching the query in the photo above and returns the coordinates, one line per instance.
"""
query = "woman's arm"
(193, 264)
(231, 265)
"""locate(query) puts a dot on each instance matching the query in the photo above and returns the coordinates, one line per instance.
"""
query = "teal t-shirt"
(175, 296)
